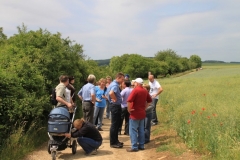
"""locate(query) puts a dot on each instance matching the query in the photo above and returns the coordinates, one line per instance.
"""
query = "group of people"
(131, 101)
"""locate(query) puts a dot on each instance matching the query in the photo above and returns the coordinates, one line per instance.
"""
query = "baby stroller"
(60, 121)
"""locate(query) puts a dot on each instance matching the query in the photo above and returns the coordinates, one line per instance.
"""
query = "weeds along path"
(105, 152)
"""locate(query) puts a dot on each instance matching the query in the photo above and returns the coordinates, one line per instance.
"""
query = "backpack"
(53, 97)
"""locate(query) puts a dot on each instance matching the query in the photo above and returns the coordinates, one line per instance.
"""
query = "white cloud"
(110, 28)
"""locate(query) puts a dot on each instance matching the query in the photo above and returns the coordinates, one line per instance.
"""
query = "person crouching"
(87, 135)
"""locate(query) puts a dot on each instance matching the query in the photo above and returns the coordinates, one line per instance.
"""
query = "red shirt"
(138, 97)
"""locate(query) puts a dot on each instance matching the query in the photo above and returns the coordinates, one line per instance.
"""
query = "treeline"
(165, 62)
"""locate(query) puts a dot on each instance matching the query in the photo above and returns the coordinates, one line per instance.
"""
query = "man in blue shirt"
(88, 97)
(115, 100)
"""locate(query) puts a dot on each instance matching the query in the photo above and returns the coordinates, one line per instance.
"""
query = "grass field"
(204, 108)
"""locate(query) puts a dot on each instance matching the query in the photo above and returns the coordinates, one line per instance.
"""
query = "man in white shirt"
(155, 90)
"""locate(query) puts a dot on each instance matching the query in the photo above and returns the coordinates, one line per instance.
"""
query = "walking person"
(155, 90)
(100, 103)
(115, 100)
(88, 97)
(138, 101)
(125, 115)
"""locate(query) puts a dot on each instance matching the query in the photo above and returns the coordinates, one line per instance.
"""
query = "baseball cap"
(139, 80)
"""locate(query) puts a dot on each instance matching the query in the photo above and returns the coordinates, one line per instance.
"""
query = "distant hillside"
(215, 61)
(103, 62)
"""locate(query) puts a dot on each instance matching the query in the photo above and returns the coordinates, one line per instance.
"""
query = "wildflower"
(204, 94)
(203, 109)
(189, 121)
(208, 117)
(193, 111)
(214, 115)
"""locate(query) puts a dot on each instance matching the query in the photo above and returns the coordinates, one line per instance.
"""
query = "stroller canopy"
(60, 112)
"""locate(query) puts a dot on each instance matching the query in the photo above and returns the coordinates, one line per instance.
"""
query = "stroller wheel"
(49, 149)
(54, 154)
(74, 146)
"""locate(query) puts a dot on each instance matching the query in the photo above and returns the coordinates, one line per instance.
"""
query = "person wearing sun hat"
(138, 101)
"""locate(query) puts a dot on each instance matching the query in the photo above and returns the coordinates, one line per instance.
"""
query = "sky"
(107, 28)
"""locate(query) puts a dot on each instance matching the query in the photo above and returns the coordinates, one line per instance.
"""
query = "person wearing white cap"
(138, 101)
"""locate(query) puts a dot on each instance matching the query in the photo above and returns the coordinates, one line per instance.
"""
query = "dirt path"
(107, 153)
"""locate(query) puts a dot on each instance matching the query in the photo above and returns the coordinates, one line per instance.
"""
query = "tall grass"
(203, 107)
(20, 142)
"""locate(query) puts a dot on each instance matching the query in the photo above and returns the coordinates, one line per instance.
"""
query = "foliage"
(31, 62)
(175, 63)
(137, 66)
(165, 54)
(98, 71)
(203, 109)
(197, 60)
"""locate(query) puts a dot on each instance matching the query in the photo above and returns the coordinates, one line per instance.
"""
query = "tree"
(31, 62)
(165, 54)
(197, 60)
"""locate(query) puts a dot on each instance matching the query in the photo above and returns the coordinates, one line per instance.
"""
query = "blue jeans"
(137, 135)
(88, 144)
(147, 125)
(154, 115)
(98, 114)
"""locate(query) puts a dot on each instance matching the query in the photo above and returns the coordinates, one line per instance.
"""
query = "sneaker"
(94, 152)
(139, 148)
(121, 143)
(126, 134)
(153, 123)
(100, 129)
(131, 150)
(116, 146)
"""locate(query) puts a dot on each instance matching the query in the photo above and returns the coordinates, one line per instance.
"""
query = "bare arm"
(59, 99)
(160, 90)
(93, 98)
(129, 107)
(80, 97)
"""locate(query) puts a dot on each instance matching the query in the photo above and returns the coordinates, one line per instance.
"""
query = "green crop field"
(204, 108)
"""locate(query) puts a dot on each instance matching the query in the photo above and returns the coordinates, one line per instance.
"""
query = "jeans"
(137, 136)
(88, 144)
(98, 116)
(124, 115)
(154, 115)
(88, 109)
(147, 125)
(115, 122)
(108, 109)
